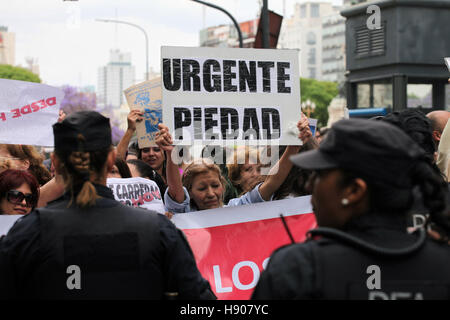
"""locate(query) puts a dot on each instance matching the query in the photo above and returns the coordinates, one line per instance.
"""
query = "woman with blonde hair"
(202, 185)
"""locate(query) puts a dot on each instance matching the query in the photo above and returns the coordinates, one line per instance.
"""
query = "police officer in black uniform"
(86, 245)
(364, 174)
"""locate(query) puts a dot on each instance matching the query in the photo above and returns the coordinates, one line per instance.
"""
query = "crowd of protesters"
(382, 181)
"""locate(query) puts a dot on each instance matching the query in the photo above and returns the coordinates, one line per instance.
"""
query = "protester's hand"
(62, 115)
(168, 214)
(304, 131)
(164, 138)
(133, 117)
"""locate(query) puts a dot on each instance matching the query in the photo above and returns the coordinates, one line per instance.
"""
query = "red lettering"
(148, 197)
(16, 113)
(26, 109)
(156, 194)
(51, 101)
(35, 106)
(43, 104)
(138, 202)
(3, 116)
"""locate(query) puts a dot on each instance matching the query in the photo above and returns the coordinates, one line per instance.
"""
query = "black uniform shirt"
(326, 268)
(23, 251)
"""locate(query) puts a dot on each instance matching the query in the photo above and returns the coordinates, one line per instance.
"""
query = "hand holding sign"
(164, 138)
(133, 117)
(303, 126)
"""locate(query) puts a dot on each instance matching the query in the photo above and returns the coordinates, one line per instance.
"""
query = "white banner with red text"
(27, 112)
(232, 245)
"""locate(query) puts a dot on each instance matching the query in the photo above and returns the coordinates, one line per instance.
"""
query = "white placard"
(254, 93)
(7, 221)
(137, 192)
(27, 112)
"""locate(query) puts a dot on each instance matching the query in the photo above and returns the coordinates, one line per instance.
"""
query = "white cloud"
(70, 45)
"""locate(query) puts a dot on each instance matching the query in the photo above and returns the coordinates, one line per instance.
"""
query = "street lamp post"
(308, 107)
(236, 24)
(146, 39)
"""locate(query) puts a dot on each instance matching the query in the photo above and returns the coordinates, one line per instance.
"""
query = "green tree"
(321, 93)
(17, 73)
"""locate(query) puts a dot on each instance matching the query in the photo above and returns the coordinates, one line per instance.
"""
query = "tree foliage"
(17, 73)
(321, 93)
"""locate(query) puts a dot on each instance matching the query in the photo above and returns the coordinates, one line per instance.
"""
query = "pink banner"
(234, 244)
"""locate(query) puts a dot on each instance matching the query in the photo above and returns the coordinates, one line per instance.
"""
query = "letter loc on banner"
(27, 112)
(232, 245)
(222, 95)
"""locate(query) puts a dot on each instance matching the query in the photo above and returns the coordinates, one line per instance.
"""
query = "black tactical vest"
(347, 271)
(109, 251)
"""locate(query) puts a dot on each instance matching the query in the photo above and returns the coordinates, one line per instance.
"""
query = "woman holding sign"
(202, 185)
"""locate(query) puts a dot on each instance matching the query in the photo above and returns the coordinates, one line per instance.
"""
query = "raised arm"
(174, 184)
(133, 117)
(280, 171)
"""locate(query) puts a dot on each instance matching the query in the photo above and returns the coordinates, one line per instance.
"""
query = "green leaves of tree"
(17, 73)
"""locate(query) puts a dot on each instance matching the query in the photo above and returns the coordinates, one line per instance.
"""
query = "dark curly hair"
(416, 125)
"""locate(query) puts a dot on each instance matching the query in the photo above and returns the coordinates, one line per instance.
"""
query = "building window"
(363, 92)
(312, 56)
(303, 11)
(315, 10)
(375, 94)
(311, 38)
(419, 95)
(312, 73)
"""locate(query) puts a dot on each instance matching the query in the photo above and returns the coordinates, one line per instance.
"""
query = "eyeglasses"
(16, 197)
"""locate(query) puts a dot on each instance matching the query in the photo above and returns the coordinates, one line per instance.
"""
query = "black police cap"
(374, 150)
(94, 129)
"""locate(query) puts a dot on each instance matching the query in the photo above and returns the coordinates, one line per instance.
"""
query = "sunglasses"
(16, 197)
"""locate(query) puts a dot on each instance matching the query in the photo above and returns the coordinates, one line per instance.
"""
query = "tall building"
(227, 35)
(32, 65)
(333, 48)
(304, 31)
(114, 78)
(7, 46)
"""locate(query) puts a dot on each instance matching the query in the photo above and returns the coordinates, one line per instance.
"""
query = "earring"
(344, 202)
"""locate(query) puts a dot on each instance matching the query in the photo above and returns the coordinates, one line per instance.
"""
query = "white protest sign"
(6, 222)
(146, 97)
(137, 192)
(223, 95)
(27, 112)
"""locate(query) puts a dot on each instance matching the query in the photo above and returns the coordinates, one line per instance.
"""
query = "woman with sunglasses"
(19, 192)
